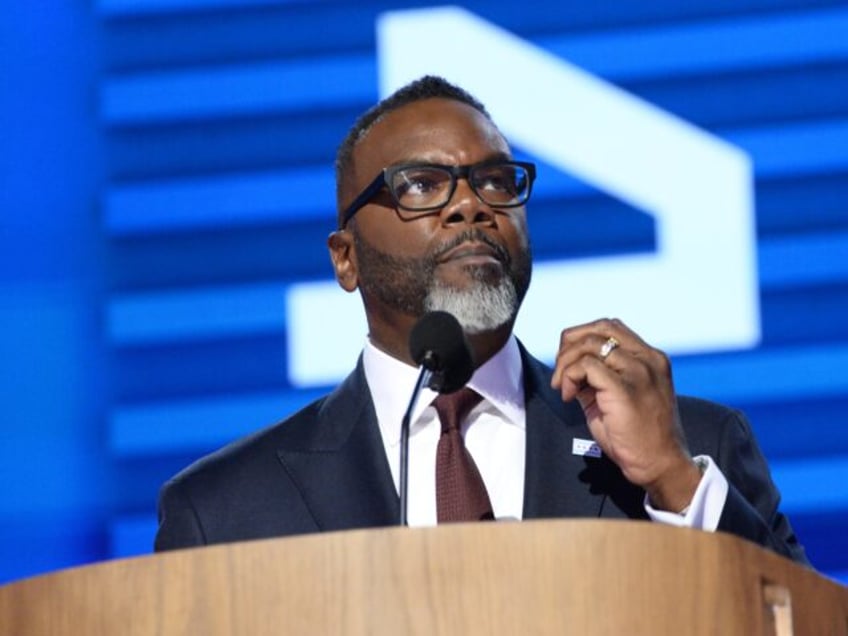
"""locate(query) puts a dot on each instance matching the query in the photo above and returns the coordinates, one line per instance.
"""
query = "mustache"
(473, 235)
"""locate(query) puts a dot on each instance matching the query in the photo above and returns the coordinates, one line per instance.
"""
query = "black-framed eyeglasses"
(419, 188)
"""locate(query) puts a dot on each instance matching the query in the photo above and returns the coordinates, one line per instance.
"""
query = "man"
(432, 217)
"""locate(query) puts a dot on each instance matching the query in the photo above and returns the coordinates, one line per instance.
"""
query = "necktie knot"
(454, 407)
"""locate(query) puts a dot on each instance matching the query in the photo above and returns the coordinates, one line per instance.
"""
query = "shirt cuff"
(704, 511)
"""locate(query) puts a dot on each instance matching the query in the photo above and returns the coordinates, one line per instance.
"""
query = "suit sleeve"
(179, 526)
(751, 509)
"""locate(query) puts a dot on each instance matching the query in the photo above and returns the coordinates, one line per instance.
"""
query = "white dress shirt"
(494, 433)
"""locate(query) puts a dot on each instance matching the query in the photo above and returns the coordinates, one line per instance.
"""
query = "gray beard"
(410, 285)
(479, 308)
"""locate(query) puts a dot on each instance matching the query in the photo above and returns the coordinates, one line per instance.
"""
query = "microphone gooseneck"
(438, 345)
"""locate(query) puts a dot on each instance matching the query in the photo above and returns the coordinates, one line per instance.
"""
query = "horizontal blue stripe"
(308, 193)
(562, 15)
(199, 424)
(796, 315)
(795, 149)
(812, 485)
(764, 375)
(220, 201)
(109, 8)
(798, 260)
(715, 46)
(196, 314)
(237, 91)
(778, 423)
(797, 206)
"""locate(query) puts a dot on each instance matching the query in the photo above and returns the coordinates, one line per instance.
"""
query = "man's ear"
(343, 255)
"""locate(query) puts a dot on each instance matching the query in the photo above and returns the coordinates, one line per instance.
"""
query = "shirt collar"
(391, 382)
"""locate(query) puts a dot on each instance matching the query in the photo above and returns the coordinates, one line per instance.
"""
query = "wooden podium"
(536, 577)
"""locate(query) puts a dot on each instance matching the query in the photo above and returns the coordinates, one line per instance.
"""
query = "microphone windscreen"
(438, 343)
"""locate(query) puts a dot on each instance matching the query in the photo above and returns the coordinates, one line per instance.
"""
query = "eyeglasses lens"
(500, 185)
(419, 188)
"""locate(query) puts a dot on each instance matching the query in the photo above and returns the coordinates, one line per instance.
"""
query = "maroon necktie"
(460, 492)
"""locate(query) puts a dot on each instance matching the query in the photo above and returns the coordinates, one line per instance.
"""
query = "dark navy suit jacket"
(324, 468)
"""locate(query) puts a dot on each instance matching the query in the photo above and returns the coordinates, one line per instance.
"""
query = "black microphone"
(438, 345)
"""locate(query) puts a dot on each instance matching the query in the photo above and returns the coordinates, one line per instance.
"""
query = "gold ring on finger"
(608, 347)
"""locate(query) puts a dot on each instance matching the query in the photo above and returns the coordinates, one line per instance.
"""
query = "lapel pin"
(585, 447)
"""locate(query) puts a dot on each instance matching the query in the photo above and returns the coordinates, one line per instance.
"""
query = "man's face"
(468, 258)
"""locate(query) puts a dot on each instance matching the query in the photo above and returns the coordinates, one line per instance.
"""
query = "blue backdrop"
(167, 180)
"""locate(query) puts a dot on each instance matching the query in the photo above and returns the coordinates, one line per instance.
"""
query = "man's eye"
(497, 182)
(419, 184)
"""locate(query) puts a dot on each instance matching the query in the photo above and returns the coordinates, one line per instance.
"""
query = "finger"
(605, 350)
(578, 341)
(606, 327)
(575, 340)
(602, 347)
(587, 372)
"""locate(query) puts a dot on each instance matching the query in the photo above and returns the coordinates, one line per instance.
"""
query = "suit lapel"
(558, 483)
(338, 463)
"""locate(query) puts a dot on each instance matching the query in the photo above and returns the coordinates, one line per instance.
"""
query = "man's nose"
(466, 207)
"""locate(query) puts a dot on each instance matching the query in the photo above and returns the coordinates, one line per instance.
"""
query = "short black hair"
(429, 86)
